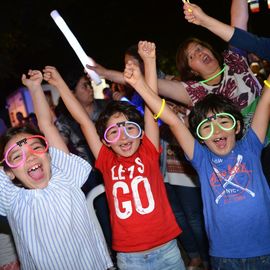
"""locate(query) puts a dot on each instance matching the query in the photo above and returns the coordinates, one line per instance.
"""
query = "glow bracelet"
(75, 46)
(267, 83)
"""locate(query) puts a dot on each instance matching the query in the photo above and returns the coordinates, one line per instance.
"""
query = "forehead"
(82, 80)
(192, 46)
(130, 57)
(116, 118)
(17, 138)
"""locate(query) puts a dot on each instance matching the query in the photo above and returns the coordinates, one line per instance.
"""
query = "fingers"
(128, 72)
(50, 72)
(146, 47)
(129, 68)
(33, 72)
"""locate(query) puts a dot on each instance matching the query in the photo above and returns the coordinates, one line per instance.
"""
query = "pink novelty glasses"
(131, 129)
(15, 155)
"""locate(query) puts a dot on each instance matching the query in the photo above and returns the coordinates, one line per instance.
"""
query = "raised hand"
(194, 14)
(52, 76)
(133, 75)
(146, 50)
(99, 69)
(35, 78)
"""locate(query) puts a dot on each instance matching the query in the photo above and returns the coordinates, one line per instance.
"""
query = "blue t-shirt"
(236, 199)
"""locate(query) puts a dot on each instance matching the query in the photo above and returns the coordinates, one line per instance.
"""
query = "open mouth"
(206, 59)
(36, 172)
(126, 146)
(220, 142)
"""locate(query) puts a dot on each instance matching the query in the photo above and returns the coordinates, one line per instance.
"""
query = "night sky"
(29, 38)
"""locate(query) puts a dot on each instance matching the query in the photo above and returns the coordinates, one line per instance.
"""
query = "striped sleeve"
(74, 167)
(7, 192)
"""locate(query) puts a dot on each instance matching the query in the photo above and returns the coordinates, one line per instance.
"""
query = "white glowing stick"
(75, 46)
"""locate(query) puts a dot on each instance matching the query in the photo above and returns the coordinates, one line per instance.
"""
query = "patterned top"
(51, 226)
(73, 135)
(238, 82)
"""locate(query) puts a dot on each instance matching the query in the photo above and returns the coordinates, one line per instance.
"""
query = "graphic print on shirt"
(231, 184)
(131, 192)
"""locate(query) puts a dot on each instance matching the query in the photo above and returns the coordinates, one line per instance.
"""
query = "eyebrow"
(35, 142)
(194, 48)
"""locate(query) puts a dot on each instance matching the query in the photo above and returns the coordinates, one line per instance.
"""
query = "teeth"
(218, 139)
(34, 168)
(124, 144)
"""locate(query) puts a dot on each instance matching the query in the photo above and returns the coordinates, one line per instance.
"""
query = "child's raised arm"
(42, 109)
(52, 76)
(184, 137)
(147, 51)
(261, 116)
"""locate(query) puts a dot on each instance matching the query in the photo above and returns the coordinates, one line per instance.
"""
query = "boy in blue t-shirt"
(235, 193)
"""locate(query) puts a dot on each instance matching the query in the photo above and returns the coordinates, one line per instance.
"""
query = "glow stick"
(187, 1)
(75, 46)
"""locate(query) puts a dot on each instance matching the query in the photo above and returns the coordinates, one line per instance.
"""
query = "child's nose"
(217, 128)
(29, 156)
(123, 134)
(198, 52)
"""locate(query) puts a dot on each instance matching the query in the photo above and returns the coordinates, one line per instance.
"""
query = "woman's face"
(84, 91)
(130, 57)
(201, 60)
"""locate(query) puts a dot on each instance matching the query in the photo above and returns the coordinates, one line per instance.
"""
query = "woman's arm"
(109, 74)
(174, 90)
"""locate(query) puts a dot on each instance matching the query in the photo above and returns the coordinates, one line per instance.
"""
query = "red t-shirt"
(141, 215)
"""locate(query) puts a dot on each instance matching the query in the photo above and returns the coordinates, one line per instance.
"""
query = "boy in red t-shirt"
(143, 225)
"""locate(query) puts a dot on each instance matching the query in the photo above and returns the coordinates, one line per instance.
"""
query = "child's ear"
(238, 127)
(104, 142)
(142, 134)
(10, 174)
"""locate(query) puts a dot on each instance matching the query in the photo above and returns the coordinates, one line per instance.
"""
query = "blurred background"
(104, 28)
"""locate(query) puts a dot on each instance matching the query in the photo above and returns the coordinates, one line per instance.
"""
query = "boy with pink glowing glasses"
(143, 225)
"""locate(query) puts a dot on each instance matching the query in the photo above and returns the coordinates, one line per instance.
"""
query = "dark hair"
(214, 103)
(73, 78)
(122, 107)
(182, 60)
(8, 135)
(62, 109)
(133, 51)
